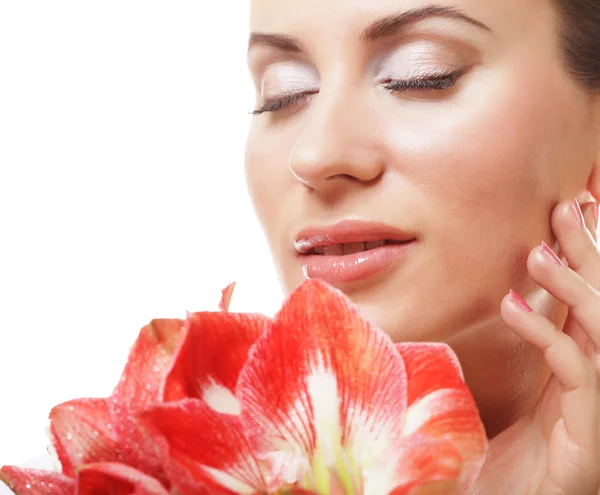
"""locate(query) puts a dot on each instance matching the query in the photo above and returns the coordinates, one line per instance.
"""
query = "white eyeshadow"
(415, 60)
(289, 77)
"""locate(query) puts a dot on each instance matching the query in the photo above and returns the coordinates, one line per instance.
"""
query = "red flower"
(90, 432)
(315, 400)
(322, 392)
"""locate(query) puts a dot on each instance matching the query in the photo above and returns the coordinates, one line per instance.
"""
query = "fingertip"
(519, 302)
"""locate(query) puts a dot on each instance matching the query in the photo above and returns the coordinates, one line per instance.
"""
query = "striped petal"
(430, 367)
(149, 360)
(118, 479)
(322, 389)
(204, 448)
(441, 405)
(147, 364)
(423, 465)
(36, 482)
(87, 431)
(81, 432)
(210, 357)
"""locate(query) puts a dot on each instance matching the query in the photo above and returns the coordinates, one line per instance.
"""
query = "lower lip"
(353, 267)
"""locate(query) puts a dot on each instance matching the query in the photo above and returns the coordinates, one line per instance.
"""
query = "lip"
(357, 266)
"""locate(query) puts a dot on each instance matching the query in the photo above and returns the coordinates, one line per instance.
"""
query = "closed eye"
(434, 83)
(281, 102)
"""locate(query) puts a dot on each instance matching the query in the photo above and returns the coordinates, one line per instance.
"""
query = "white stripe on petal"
(323, 392)
(432, 405)
(229, 482)
(221, 399)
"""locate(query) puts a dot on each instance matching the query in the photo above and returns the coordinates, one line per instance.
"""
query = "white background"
(122, 194)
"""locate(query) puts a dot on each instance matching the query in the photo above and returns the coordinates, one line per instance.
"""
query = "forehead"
(335, 18)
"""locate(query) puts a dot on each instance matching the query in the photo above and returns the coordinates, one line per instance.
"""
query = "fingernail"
(519, 301)
(577, 212)
(551, 255)
(595, 212)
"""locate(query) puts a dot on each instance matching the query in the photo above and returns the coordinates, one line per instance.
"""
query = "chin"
(387, 304)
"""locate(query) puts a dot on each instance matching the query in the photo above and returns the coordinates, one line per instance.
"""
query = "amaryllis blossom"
(316, 397)
(99, 441)
(317, 400)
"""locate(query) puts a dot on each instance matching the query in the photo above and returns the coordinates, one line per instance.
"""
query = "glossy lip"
(348, 231)
(356, 266)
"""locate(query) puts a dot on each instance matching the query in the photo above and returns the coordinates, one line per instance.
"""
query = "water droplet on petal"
(156, 368)
(27, 485)
(69, 436)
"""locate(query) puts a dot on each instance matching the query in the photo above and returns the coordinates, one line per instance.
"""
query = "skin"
(482, 172)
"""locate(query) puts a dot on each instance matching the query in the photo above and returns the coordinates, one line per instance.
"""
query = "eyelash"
(438, 82)
(280, 103)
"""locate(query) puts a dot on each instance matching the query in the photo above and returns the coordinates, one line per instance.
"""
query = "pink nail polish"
(551, 255)
(577, 212)
(520, 301)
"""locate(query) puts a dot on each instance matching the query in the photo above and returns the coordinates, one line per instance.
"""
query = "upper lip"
(348, 231)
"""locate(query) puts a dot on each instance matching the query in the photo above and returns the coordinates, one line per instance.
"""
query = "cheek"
(492, 143)
(489, 155)
(257, 173)
(267, 175)
(486, 174)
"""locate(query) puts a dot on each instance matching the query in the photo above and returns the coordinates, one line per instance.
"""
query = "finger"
(568, 286)
(590, 214)
(576, 241)
(575, 373)
(570, 469)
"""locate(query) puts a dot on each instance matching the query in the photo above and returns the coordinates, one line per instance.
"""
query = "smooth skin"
(482, 171)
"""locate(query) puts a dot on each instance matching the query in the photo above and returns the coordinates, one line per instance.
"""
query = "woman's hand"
(556, 451)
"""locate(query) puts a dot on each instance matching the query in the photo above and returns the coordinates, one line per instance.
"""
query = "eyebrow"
(279, 41)
(387, 26)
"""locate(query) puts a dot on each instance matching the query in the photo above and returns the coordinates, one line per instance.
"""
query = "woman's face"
(471, 171)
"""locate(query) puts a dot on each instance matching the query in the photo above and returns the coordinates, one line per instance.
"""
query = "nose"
(339, 143)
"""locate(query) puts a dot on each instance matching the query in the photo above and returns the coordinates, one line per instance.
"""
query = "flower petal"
(86, 431)
(210, 357)
(441, 405)
(204, 447)
(36, 482)
(114, 478)
(147, 364)
(81, 432)
(226, 294)
(135, 447)
(430, 366)
(104, 430)
(423, 465)
(320, 379)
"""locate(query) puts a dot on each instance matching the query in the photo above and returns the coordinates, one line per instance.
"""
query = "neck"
(506, 375)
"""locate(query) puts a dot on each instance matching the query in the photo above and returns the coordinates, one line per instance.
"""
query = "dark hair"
(580, 40)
